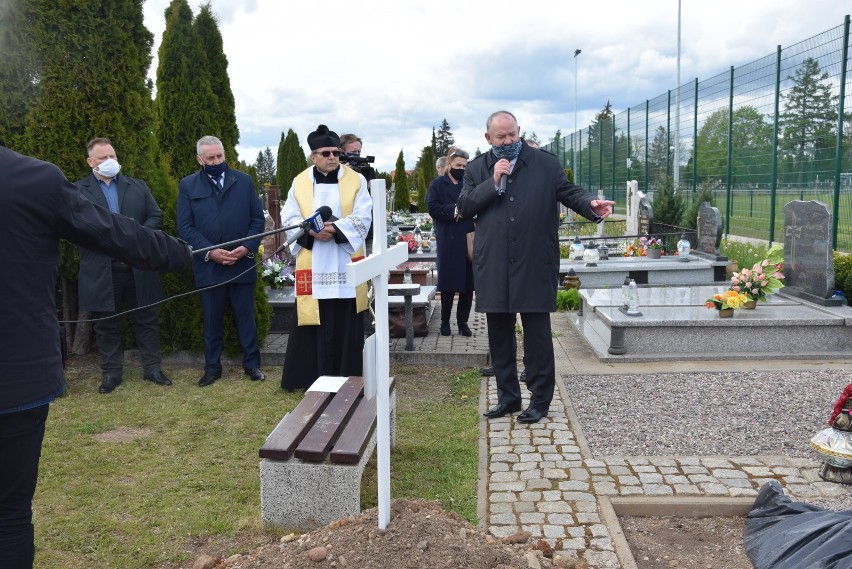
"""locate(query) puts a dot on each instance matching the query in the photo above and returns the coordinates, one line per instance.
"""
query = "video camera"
(360, 164)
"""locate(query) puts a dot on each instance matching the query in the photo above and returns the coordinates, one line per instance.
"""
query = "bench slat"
(353, 440)
(286, 436)
(319, 440)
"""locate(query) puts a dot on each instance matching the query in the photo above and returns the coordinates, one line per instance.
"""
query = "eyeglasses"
(458, 152)
(327, 153)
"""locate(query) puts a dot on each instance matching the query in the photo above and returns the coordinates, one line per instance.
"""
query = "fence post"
(695, 142)
(838, 153)
(647, 109)
(773, 190)
(730, 196)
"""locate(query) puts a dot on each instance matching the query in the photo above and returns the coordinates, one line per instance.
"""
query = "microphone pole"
(250, 237)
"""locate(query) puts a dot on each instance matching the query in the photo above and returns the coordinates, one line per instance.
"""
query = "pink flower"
(778, 275)
(736, 288)
(764, 283)
(735, 280)
(764, 263)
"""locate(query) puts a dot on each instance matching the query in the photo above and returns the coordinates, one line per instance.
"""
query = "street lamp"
(677, 110)
(576, 53)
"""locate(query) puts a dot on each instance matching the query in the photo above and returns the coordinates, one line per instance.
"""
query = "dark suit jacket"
(95, 279)
(516, 248)
(38, 207)
(205, 219)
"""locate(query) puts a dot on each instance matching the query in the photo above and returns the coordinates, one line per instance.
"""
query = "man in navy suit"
(108, 285)
(217, 205)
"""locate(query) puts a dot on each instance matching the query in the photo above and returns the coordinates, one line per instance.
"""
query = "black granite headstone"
(709, 229)
(646, 216)
(808, 256)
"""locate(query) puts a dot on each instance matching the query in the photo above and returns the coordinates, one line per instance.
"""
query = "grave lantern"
(633, 299)
(591, 255)
(576, 250)
(603, 250)
(683, 248)
(571, 280)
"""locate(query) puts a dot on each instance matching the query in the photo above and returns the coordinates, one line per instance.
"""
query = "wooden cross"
(377, 267)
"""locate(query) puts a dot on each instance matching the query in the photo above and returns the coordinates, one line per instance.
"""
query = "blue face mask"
(508, 151)
(215, 171)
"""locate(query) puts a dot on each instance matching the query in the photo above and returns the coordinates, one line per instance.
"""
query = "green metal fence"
(759, 135)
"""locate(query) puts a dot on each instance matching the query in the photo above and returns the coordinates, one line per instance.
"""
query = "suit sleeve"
(258, 221)
(436, 203)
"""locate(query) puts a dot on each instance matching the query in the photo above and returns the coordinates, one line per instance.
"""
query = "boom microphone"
(315, 222)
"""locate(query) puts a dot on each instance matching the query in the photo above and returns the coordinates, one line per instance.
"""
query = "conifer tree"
(265, 167)
(19, 69)
(444, 139)
(668, 204)
(291, 161)
(224, 114)
(184, 94)
(400, 179)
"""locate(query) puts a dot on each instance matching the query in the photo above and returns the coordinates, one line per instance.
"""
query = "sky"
(392, 70)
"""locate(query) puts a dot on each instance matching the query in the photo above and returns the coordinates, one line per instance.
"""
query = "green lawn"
(147, 475)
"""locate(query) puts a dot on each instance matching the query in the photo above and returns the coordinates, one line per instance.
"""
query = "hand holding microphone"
(501, 175)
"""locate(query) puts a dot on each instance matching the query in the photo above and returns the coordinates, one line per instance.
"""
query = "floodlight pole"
(677, 109)
(576, 53)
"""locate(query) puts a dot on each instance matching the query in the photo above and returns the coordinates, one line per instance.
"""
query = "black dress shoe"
(109, 383)
(445, 329)
(208, 379)
(502, 409)
(486, 371)
(255, 374)
(158, 377)
(531, 415)
(465, 329)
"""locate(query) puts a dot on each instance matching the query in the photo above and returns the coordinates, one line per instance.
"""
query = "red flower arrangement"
(410, 239)
(841, 403)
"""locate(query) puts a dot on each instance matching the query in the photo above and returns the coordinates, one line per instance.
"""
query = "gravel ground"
(705, 414)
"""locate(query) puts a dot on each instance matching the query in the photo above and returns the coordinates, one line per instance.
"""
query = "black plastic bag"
(782, 534)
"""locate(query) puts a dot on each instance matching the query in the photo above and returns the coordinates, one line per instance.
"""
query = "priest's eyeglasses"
(327, 153)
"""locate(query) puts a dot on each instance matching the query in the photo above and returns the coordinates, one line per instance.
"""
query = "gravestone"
(645, 217)
(631, 227)
(709, 228)
(808, 255)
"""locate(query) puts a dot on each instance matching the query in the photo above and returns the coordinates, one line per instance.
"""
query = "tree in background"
(704, 194)
(668, 204)
(186, 104)
(291, 161)
(20, 70)
(426, 173)
(444, 139)
(224, 117)
(400, 179)
(752, 146)
(808, 123)
(659, 155)
(265, 167)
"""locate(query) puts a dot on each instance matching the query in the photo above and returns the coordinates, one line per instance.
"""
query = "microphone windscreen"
(325, 212)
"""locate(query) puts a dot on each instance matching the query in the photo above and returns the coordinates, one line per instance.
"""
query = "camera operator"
(350, 144)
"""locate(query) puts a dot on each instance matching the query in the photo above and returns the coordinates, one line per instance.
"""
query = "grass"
(148, 476)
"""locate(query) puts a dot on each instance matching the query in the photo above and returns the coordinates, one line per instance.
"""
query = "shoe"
(445, 329)
(465, 329)
(158, 377)
(523, 377)
(109, 383)
(255, 374)
(486, 371)
(502, 409)
(208, 379)
(531, 415)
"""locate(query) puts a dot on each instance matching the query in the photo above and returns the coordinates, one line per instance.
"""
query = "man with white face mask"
(107, 285)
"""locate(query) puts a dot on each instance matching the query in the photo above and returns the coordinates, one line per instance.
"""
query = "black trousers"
(538, 357)
(463, 310)
(213, 303)
(21, 435)
(146, 326)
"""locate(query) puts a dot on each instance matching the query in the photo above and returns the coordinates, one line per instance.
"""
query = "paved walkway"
(543, 479)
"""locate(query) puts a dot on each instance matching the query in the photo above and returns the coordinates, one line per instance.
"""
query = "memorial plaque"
(709, 229)
(645, 217)
(808, 256)
(631, 227)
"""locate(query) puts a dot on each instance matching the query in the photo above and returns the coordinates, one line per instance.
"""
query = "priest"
(327, 333)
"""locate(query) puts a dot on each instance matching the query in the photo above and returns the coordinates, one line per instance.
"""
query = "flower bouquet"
(653, 247)
(410, 239)
(276, 273)
(764, 278)
(729, 300)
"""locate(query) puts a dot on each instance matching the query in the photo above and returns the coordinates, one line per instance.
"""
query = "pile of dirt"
(420, 534)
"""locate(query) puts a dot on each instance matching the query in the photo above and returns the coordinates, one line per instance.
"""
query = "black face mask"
(457, 173)
(216, 170)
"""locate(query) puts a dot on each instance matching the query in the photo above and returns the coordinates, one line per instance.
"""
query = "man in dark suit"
(516, 256)
(38, 207)
(217, 205)
(106, 285)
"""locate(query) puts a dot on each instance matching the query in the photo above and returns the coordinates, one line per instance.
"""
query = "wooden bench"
(312, 462)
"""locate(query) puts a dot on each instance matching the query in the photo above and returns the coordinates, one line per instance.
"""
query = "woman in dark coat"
(455, 272)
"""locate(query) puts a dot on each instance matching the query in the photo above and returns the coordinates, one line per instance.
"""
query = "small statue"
(835, 442)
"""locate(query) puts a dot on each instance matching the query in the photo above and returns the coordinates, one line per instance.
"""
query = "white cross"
(377, 267)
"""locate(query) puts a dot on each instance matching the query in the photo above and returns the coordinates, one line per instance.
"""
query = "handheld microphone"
(503, 180)
(315, 222)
